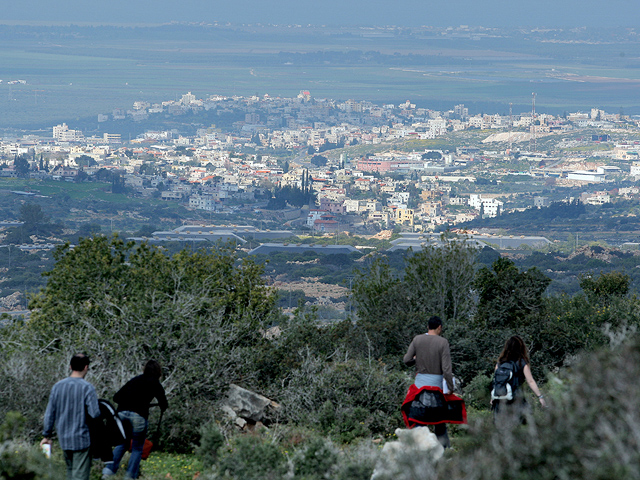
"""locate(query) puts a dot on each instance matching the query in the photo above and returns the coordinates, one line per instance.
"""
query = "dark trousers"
(443, 436)
(78, 464)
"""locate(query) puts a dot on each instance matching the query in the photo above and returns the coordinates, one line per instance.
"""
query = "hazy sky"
(334, 12)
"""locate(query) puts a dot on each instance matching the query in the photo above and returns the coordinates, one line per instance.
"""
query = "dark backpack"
(106, 431)
(115, 432)
(505, 381)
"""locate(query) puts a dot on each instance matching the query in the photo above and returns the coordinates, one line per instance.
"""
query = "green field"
(75, 73)
(75, 204)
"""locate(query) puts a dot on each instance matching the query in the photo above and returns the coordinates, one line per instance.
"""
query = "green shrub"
(211, 439)
(182, 423)
(348, 399)
(23, 462)
(250, 457)
(590, 430)
(12, 426)
(316, 460)
(357, 462)
(477, 393)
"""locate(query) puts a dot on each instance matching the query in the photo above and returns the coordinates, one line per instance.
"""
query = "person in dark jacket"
(134, 400)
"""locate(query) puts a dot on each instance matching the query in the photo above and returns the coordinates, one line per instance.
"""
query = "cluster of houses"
(213, 171)
(306, 122)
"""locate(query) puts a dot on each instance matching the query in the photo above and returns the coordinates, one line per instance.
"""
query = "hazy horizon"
(491, 13)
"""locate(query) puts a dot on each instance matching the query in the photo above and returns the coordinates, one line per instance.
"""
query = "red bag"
(146, 448)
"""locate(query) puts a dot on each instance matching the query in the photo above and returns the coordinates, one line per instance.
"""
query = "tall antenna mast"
(510, 124)
(532, 139)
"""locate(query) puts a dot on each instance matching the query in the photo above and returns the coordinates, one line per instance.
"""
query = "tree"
(146, 231)
(382, 324)
(35, 223)
(605, 287)
(104, 175)
(89, 229)
(508, 297)
(82, 176)
(148, 168)
(289, 195)
(21, 164)
(432, 155)
(319, 160)
(85, 161)
(117, 184)
(31, 214)
(200, 314)
(437, 281)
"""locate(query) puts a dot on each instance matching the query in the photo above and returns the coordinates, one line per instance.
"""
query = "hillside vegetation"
(211, 320)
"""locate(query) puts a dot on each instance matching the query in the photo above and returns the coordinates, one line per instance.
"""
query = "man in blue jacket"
(71, 400)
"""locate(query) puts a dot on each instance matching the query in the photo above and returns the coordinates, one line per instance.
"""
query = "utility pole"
(350, 278)
(510, 124)
(532, 139)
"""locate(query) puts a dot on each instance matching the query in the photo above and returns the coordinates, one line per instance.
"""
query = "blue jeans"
(138, 425)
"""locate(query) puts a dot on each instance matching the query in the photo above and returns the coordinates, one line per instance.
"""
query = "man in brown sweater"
(430, 354)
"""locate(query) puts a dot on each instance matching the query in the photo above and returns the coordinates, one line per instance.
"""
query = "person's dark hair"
(434, 322)
(153, 368)
(79, 361)
(514, 350)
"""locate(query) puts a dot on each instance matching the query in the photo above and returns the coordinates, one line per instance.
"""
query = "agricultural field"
(74, 73)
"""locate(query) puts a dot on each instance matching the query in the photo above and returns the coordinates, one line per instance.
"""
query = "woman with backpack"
(512, 370)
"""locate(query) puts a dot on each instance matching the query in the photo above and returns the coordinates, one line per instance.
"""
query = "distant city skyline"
(492, 13)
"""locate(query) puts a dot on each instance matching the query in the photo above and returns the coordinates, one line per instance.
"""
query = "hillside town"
(321, 146)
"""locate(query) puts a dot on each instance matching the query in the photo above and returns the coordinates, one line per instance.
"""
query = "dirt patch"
(324, 293)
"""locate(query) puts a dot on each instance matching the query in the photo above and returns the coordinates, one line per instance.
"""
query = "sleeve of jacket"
(91, 402)
(409, 357)
(120, 394)
(49, 417)
(162, 398)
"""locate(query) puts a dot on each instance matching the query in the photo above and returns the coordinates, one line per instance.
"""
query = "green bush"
(290, 452)
(477, 393)
(348, 399)
(182, 423)
(12, 426)
(590, 430)
(211, 439)
(316, 460)
(250, 457)
(357, 462)
(23, 462)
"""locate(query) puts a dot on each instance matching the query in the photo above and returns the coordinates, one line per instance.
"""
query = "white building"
(489, 207)
(202, 202)
(62, 133)
(586, 176)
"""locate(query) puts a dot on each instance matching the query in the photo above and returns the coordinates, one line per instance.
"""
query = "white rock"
(245, 403)
(229, 412)
(416, 449)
